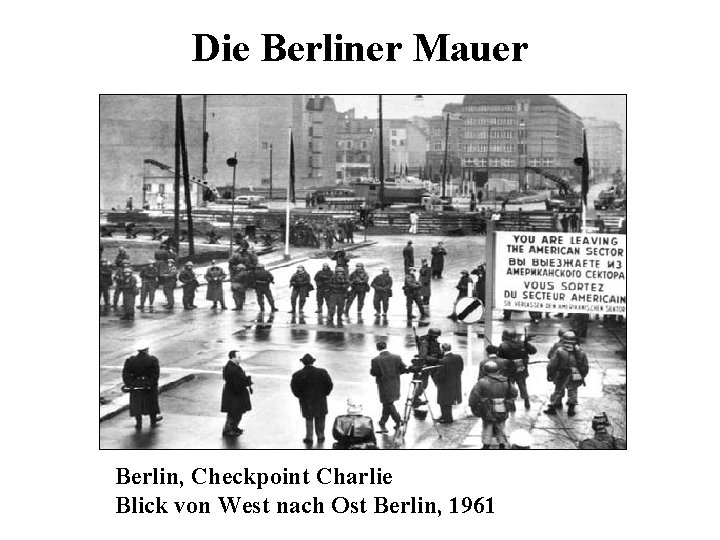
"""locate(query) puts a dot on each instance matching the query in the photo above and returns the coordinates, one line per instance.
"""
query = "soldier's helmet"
(434, 332)
(240, 266)
(465, 273)
(171, 261)
(127, 270)
(151, 262)
(600, 422)
(491, 367)
(385, 270)
(188, 264)
(326, 265)
(261, 266)
(359, 265)
(569, 337)
(508, 334)
(104, 261)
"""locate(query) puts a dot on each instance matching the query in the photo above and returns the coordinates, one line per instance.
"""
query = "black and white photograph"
(287, 271)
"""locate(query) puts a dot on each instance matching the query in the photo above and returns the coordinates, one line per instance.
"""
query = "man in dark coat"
(425, 282)
(438, 260)
(106, 279)
(128, 287)
(215, 277)
(387, 368)
(383, 291)
(301, 287)
(517, 353)
(117, 279)
(149, 276)
(358, 287)
(489, 400)
(263, 279)
(322, 286)
(449, 383)
(411, 288)
(189, 285)
(462, 288)
(235, 395)
(140, 376)
(408, 256)
(341, 259)
(312, 386)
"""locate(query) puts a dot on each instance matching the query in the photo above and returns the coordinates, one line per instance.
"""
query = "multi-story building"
(435, 157)
(605, 147)
(502, 134)
(355, 148)
(135, 128)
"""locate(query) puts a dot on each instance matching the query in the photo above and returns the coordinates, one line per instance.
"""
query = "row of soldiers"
(309, 233)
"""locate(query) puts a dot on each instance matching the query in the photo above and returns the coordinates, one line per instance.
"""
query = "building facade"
(434, 160)
(605, 141)
(502, 134)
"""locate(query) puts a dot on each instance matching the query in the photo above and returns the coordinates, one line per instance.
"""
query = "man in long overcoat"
(312, 386)
(235, 395)
(140, 375)
(408, 256)
(127, 285)
(106, 280)
(425, 282)
(448, 380)
(215, 277)
(387, 368)
(438, 260)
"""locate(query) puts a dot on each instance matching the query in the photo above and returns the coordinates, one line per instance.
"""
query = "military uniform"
(301, 287)
(149, 276)
(117, 278)
(336, 300)
(429, 354)
(425, 275)
(106, 280)
(322, 287)
(517, 355)
(189, 285)
(489, 399)
(383, 291)
(358, 287)
(239, 283)
(263, 279)
(603, 441)
(168, 279)
(412, 295)
(567, 370)
(128, 287)
(215, 277)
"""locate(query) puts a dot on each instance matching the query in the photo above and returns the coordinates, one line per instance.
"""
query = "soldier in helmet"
(263, 279)
(117, 278)
(567, 369)
(338, 292)
(149, 276)
(121, 257)
(412, 294)
(168, 280)
(239, 283)
(128, 287)
(602, 440)
(301, 287)
(358, 287)
(429, 354)
(383, 291)
(489, 399)
(517, 353)
(322, 286)
(189, 285)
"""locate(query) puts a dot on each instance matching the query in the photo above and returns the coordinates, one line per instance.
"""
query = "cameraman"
(517, 353)
(602, 440)
(429, 354)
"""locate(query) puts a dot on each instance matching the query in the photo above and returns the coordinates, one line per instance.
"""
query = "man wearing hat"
(215, 277)
(128, 287)
(412, 294)
(408, 256)
(189, 285)
(567, 369)
(168, 279)
(140, 376)
(339, 285)
(263, 279)
(383, 291)
(149, 276)
(425, 279)
(235, 395)
(462, 288)
(312, 386)
(438, 260)
(358, 287)
(490, 399)
(301, 286)
(448, 380)
(322, 286)
(387, 368)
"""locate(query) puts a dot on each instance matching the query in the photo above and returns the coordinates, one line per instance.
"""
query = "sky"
(605, 107)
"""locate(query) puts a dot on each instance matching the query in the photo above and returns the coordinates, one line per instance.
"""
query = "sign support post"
(489, 281)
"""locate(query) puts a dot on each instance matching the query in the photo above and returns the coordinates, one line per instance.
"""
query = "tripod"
(416, 385)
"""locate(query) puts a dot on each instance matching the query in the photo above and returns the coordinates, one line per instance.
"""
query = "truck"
(610, 199)
(565, 199)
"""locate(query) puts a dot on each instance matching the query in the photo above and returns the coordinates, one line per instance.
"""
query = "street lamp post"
(271, 149)
(232, 162)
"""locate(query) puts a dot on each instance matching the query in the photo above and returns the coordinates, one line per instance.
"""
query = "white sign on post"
(567, 272)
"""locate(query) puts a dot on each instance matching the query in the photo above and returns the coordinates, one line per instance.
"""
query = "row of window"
(492, 121)
(500, 148)
(521, 106)
(349, 145)
(506, 162)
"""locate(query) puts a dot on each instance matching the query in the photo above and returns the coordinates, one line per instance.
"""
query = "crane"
(195, 180)
(565, 187)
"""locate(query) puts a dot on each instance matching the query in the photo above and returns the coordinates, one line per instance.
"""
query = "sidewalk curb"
(162, 388)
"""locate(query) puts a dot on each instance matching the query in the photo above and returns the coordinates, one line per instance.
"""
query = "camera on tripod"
(420, 366)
